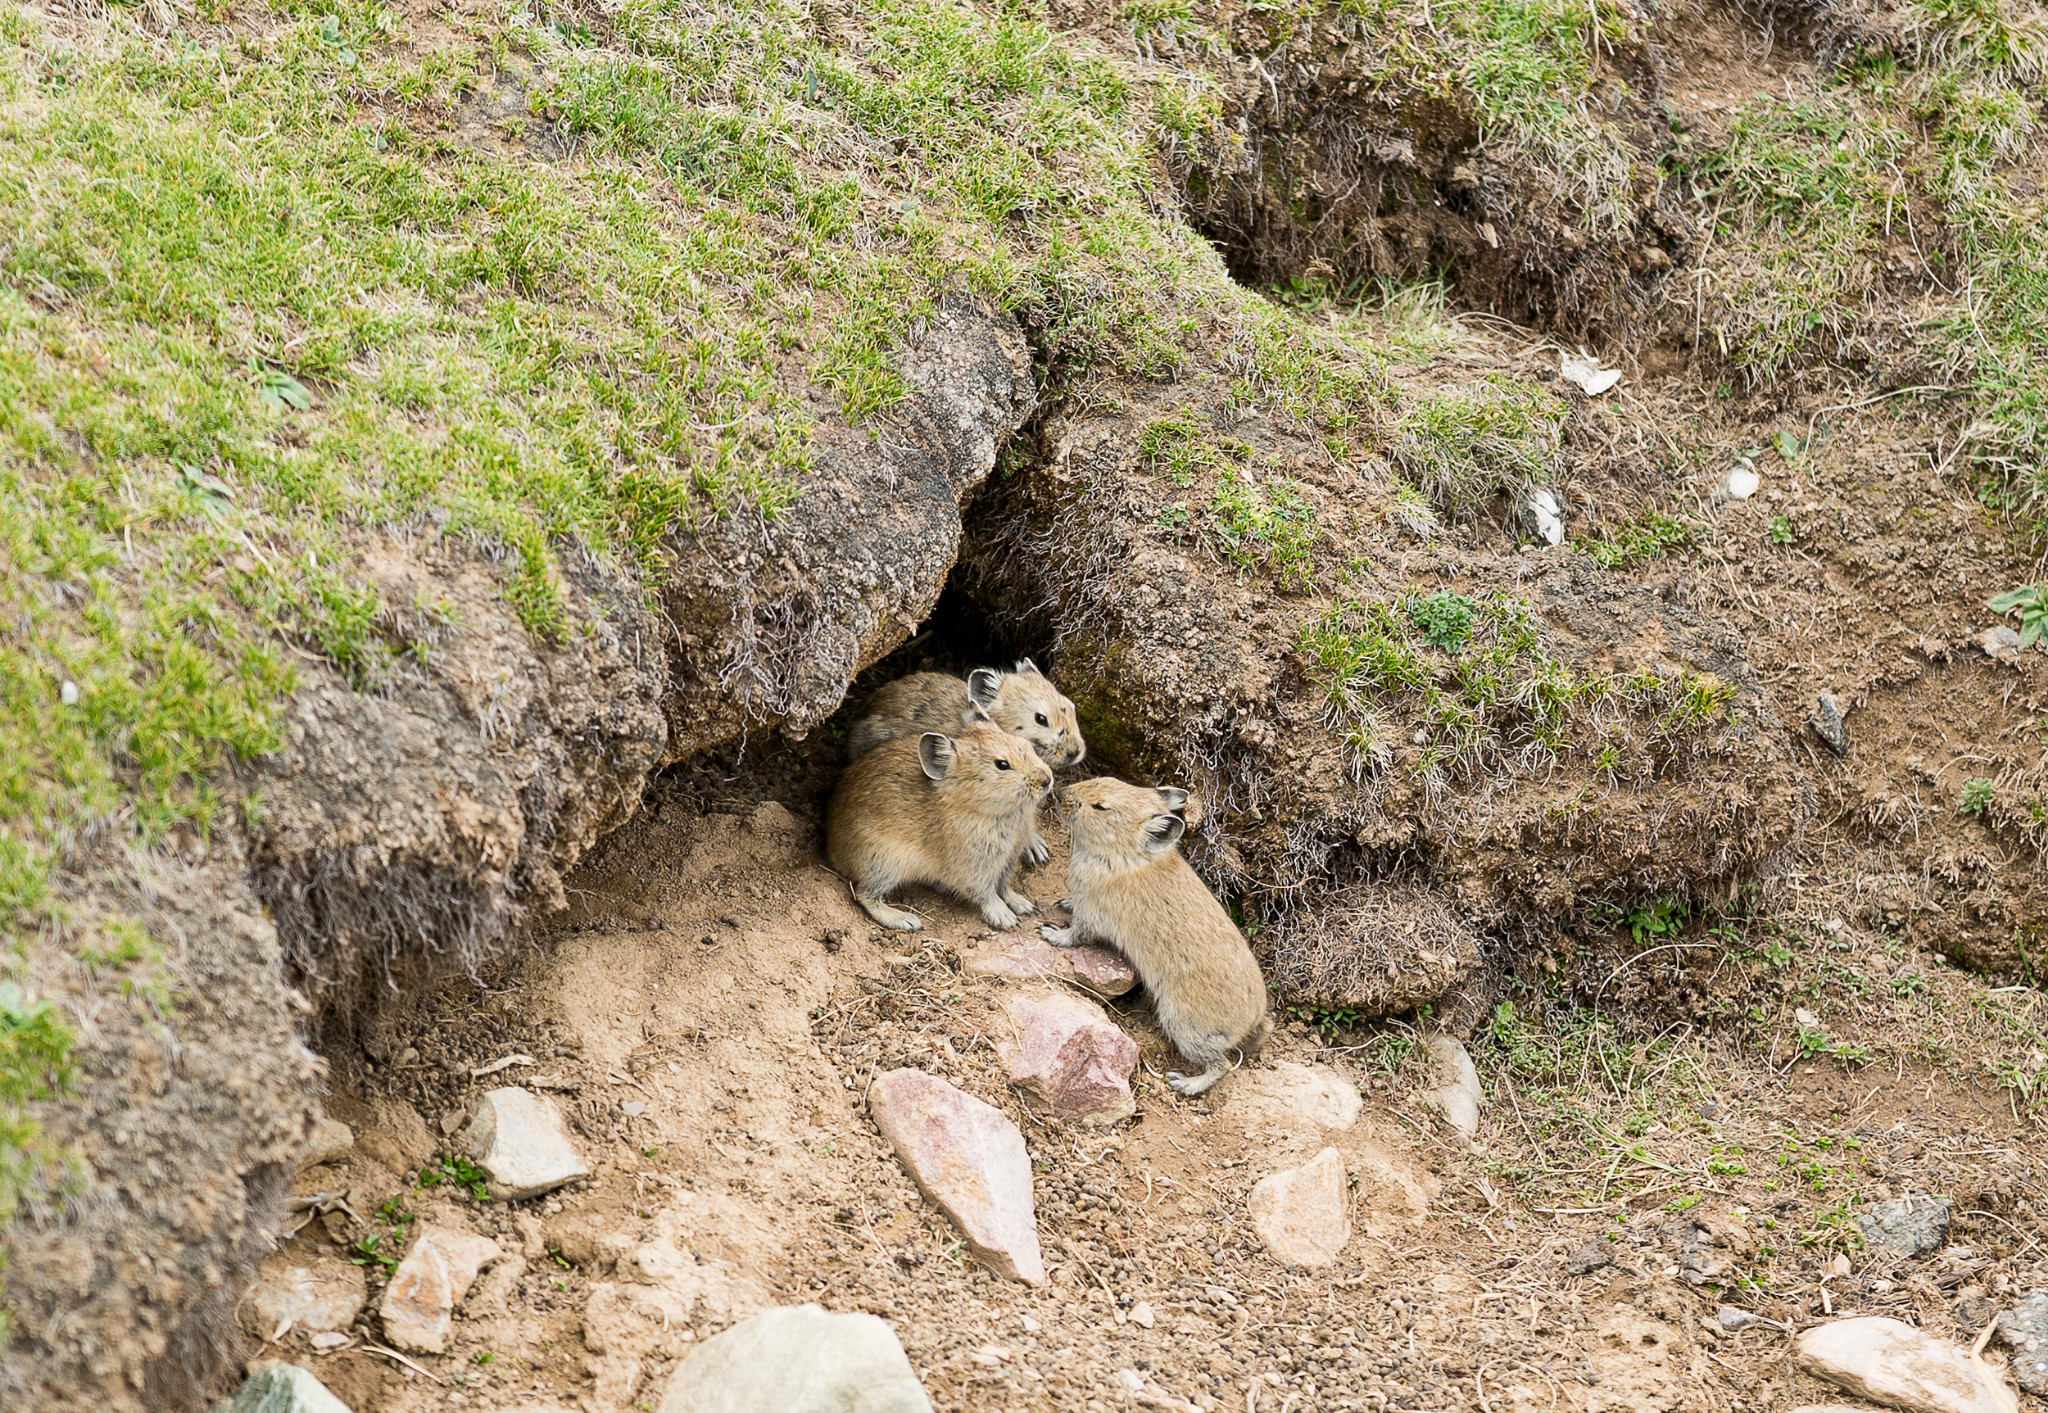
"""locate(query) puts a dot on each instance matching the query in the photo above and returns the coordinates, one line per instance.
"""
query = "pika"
(953, 811)
(1022, 701)
(1131, 888)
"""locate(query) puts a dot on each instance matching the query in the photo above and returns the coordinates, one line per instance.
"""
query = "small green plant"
(456, 1169)
(1815, 1042)
(484, 1356)
(1685, 1203)
(279, 391)
(1325, 1022)
(2031, 603)
(1781, 530)
(1977, 796)
(1645, 537)
(1444, 619)
(1661, 919)
(1908, 984)
(368, 1252)
(1725, 1163)
(1270, 524)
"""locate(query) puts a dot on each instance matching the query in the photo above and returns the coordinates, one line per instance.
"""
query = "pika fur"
(1022, 701)
(1131, 888)
(953, 811)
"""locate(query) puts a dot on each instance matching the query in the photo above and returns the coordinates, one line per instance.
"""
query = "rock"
(1589, 1258)
(1302, 1214)
(1458, 1093)
(518, 1141)
(1826, 722)
(1071, 1055)
(970, 1160)
(2025, 1328)
(798, 1359)
(1307, 1094)
(1585, 373)
(331, 1139)
(1742, 480)
(321, 1294)
(1096, 970)
(1539, 518)
(433, 1277)
(282, 1388)
(1735, 1319)
(1890, 1362)
(1915, 1224)
(587, 1240)
(2000, 644)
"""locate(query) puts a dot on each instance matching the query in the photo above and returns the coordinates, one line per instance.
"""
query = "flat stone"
(1890, 1362)
(519, 1142)
(2000, 644)
(1302, 1094)
(2025, 1328)
(282, 1388)
(331, 1139)
(798, 1359)
(1457, 1094)
(1915, 1224)
(1096, 970)
(1068, 1053)
(320, 1294)
(420, 1302)
(1301, 1213)
(1827, 724)
(1589, 1258)
(971, 1161)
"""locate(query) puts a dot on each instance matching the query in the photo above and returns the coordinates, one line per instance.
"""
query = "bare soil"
(712, 1007)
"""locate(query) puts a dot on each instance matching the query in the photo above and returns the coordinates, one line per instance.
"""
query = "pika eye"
(1002, 765)
(1040, 719)
(1102, 807)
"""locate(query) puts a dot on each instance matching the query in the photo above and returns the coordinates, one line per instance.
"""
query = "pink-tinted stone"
(968, 1159)
(420, 1302)
(1096, 970)
(1301, 1213)
(1070, 1054)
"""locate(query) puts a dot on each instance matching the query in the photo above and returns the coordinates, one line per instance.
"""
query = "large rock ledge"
(424, 819)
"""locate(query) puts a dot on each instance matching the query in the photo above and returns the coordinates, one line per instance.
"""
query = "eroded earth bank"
(1539, 473)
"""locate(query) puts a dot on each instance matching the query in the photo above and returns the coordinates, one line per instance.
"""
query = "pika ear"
(1162, 832)
(1176, 798)
(982, 686)
(1025, 664)
(935, 754)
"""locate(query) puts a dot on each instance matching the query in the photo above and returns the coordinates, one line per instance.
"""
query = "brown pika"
(953, 811)
(1022, 701)
(1130, 888)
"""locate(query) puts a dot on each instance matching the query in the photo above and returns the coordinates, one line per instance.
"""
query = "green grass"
(1645, 537)
(1265, 523)
(1461, 448)
(1454, 684)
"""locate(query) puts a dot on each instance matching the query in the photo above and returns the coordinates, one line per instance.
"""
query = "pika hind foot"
(1037, 854)
(1061, 936)
(1019, 904)
(890, 917)
(1193, 1084)
(997, 913)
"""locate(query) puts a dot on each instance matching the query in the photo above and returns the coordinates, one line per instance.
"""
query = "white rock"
(1458, 1093)
(519, 1142)
(419, 1304)
(1585, 373)
(1303, 1215)
(1539, 517)
(1305, 1094)
(798, 1359)
(1742, 480)
(1890, 1362)
(321, 1294)
(2000, 644)
(331, 1139)
(282, 1388)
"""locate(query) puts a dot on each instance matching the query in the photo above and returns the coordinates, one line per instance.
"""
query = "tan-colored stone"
(1096, 970)
(1303, 1214)
(1065, 1050)
(419, 1304)
(321, 1293)
(1890, 1362)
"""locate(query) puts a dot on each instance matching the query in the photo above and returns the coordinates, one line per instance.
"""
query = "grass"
(258, 305)
(1497, 436)
(1455, 684)
(1647, 536)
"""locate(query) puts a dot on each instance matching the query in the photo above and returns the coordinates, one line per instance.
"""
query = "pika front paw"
(1036, 853)
(1019, 904)
(1059, 936)
(997, 913)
